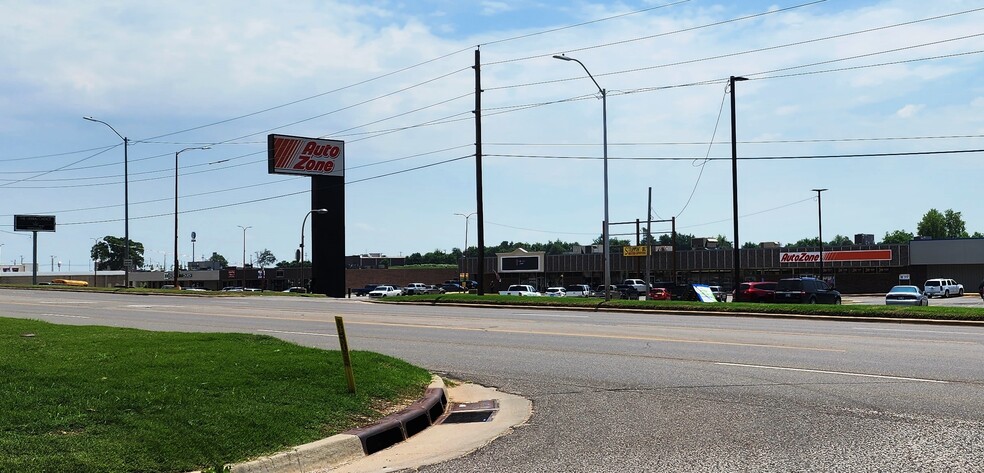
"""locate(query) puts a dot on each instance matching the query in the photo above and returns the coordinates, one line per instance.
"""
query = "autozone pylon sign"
(831, 256)
(305, 156)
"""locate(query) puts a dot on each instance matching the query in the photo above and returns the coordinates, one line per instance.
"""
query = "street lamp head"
(562, 57)
(320, 211)
(818, 190)
(738, 78)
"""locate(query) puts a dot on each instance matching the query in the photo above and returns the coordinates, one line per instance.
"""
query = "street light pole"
(606, 257)
(175, 271)
(244, 253)
(736, 278)
(468, 216)
(303, 222)
(463, 260)
(126, 201)
(820, 227)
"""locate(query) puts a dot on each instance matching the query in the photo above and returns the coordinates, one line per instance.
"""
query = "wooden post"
(346, 360)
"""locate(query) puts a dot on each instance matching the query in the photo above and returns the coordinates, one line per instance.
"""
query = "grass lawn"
(101, 399)
(930, 312)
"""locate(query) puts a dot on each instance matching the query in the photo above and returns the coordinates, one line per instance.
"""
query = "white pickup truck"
(520, 290)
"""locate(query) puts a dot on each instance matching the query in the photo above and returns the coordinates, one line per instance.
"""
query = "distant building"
(864, 239)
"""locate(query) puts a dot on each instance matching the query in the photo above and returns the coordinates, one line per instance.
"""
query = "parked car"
(520, 290)
(719, 293)
(252, 289)
(232, 289)
(451, 287)
(384, 291)
(755, 291)
(943, 288)
(432, 289)
(906, 295)
(194, 289)
(806, 291)
(640, 285)
(415, 288)
(599, 291)
(578, 290)
(297, 289)
(659, 294)
(628, 291)
(555, 292)
(364, 290)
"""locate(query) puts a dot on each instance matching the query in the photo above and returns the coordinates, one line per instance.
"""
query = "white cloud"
(909, 111)
(493, 8)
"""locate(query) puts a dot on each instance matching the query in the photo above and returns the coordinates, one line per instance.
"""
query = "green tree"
(265, 258)
(805, 242)
(612, 241)
(749, 245)
(109, 253)
(840, 240)
(219, 259)
(977, 235)
(933, 225)
(897, 237)
(724, 243)
(955, 226)
(683, 240)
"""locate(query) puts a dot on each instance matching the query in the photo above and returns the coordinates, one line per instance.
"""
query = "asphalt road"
(638, 392)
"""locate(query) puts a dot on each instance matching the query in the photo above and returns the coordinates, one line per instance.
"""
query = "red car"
(755, 292)
(659, 294)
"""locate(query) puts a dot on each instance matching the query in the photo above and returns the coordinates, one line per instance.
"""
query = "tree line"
(108, 253)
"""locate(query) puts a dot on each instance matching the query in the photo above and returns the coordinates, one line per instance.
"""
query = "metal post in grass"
(346, 360)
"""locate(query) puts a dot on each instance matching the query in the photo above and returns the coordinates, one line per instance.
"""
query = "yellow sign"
(635, 251)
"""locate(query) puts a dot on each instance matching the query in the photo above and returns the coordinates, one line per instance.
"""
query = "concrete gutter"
(402, 440)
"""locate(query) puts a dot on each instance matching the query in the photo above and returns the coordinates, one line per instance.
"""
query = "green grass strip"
(850, 310)
(100, 399)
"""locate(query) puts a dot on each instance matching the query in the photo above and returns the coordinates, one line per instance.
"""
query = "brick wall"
(356, 278)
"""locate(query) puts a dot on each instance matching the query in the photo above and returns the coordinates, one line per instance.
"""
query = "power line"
(554, 30)
(264, 199)
(703, 143)
(643, 38)
(745, 158)
(750, 51)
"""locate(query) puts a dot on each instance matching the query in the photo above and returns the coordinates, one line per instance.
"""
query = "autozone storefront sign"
(305, 156)
(834, 256)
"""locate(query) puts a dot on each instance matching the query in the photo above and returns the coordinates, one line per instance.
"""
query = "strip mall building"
(851, 269)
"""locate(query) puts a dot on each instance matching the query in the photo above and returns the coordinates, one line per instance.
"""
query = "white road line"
(911, 330)
(299, 333)
(67, 316)
(842, 373)
(554, 315)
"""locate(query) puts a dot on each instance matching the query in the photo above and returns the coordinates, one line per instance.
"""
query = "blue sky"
(394, 80)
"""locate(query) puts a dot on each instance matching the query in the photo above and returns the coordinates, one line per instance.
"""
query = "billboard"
(34, 223)
(305, 156)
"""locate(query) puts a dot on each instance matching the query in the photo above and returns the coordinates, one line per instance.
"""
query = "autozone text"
(307, 164)
(312, 149)
(799, 258)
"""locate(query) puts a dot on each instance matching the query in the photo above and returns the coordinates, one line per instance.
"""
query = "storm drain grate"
(481, 411)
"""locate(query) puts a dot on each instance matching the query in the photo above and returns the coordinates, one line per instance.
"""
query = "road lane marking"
(66, 316)
(841, 373)
(298, 333)
(553, 315)
(913, 330)
(593, 335)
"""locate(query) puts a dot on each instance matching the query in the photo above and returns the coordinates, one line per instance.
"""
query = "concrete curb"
(357, 443)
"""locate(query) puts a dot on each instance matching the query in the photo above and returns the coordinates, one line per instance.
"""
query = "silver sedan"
(906, 295)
